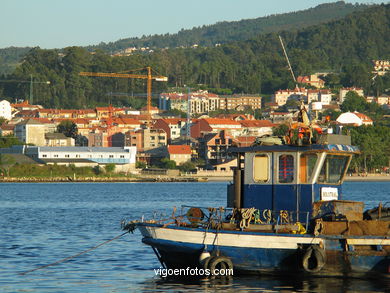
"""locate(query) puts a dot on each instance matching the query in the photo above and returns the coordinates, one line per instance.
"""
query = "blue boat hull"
(180, 254)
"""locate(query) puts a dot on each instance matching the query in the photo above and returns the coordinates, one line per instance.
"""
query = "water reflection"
(266, 284)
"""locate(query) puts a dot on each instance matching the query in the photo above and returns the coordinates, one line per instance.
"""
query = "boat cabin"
(290, 177)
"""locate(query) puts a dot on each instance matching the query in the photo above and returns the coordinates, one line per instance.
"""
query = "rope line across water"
(73, 256)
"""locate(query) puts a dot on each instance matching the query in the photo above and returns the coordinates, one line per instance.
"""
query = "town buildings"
(163, 136)
(203, 102)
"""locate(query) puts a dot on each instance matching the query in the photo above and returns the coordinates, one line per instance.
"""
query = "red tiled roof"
(257, 123)
(7, 127)
(246, 139)
(221, 121)
(179, 149)
(173, 120)
(363, 117)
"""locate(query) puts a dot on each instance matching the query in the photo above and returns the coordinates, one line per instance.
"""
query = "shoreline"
(368, 178)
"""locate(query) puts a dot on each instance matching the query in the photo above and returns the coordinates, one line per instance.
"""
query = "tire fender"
(318, 255)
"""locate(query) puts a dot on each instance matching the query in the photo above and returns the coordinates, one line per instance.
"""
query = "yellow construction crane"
(149, 77)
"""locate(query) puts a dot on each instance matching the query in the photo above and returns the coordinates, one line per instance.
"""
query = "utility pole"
(188, 126)
(31, 90)
(31, 82)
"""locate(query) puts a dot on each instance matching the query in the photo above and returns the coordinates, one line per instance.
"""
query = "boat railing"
(246, 218)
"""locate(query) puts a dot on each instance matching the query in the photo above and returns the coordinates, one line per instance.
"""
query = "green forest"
(345, 47)
(227, 31)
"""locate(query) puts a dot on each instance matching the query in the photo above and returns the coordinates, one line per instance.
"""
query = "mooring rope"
(73, 256)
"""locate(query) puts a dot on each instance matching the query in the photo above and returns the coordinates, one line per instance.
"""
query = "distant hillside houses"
(311, 80)
(203, 102)
(309, 96)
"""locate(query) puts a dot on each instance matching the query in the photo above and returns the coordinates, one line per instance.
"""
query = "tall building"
(201, 102)
(239, 102)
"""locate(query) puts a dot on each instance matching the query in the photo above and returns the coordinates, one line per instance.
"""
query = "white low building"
(123, 157)
(5, 110)
(354, 119)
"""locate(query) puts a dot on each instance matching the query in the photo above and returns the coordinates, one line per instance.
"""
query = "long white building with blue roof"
(123, 157)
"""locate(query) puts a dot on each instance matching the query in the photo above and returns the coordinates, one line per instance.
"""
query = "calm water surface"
(41, 223)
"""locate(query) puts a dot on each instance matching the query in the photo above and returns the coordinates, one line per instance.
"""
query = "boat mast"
(288, 61)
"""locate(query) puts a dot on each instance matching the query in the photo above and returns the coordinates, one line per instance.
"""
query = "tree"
(97, 170)
(8, 141)
(110, 167)
(6, 162)
(281, 130)
(168, 164)
(187, 167)
(140, 165)
(68, 128)
(353, 102)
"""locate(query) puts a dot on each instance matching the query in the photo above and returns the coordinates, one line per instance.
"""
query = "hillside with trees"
(228, 31)
(256, 66)
(219, 33)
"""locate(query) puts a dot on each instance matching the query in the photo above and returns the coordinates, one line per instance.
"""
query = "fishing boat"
(285, 214)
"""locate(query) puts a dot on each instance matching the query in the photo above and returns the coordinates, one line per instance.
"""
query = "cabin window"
(306, 167)
(333, 169)
(286, 168)
(260, 168)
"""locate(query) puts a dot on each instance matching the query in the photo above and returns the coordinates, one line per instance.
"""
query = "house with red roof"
(215, 125)
(179, 153)
(174, 127)
(312, 80)
(25, 105)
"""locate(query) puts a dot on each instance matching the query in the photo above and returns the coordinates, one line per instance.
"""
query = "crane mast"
(149, 77)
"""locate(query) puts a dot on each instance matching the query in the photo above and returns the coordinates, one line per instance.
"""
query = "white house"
(5, 109)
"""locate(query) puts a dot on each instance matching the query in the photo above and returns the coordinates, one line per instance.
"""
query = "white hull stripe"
(370, 241)
(227, 239)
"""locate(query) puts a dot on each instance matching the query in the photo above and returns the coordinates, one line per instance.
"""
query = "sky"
(62, 23)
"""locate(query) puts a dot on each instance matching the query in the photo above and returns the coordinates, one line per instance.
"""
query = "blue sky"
(62, 23)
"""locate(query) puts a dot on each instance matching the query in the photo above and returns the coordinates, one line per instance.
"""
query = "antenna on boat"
(288, 61)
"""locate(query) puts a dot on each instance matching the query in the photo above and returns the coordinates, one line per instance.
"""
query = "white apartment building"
(323, 96)
(5, 109)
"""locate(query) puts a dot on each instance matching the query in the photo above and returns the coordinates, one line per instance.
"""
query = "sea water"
(41, 223)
